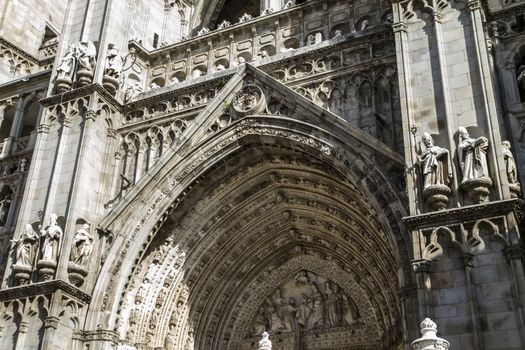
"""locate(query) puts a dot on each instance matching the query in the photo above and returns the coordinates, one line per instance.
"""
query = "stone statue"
(52, 235)
(365, 24)
(260, 322)
(25, 247)
(510, 163)
(276, 323)
(316, 316)
(132, 92)
(337, 34)
(302, 278)
(435, 164)
(87, 53)
(66, 67)
(289, 315)
(510, 169)
(472, 155)
(333, 311)
(349, 313)
(265, 343)
(114, 62)
(310, 39)
(82, 246)
(5, 204)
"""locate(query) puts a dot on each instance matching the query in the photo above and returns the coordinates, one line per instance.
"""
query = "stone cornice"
(19, 51)
(43, 288)
(468, 213)
(81, 92)
(505, 13)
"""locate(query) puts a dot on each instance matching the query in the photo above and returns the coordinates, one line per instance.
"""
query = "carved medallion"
(248, 100)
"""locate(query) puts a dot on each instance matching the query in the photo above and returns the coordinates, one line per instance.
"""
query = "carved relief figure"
(25, 247)
(348, 310)
(316, 315)
(510, 163)
(435, 163)
(260, 322)
(114, 62)
(333, 311)
(289, 315)
(82, 246)
(310, 39)
(472, 154)
(132, 92)
(52, 235)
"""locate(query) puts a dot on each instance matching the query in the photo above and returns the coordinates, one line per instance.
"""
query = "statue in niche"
(132, 92)
(365, 24)
(25, 247)
(333, 303)
(510, 169)
(472, 154)
(5, 205)
(310, 39)
(52, 235)
(114, 62)
(82, 246)
(510, 163)
(435, 163)
(337, 34)
(86, 55)
(67, 63)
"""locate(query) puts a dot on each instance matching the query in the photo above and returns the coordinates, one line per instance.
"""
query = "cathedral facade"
(318, 174)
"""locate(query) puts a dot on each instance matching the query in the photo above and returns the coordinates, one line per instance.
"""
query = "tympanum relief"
(305, 302)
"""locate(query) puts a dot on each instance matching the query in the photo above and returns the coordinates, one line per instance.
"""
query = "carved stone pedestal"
(46, 269)
(22, 274)
(111, 84)
(478, 190)
(85, 77)
(63, 85)
(76, 274)
(436, 196)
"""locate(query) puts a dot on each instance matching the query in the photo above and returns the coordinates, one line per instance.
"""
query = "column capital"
(399, 27)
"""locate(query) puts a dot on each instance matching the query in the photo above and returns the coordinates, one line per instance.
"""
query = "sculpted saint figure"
(67, 64)
(333, 311)
(316, 315)
(24, 253)
(261, 322)
(435, 163)
(82, 246)
(52, 235)
(472, 154)
(510, 163)
(349, 311)
(86, 55)
(289, 315)
(114, 62)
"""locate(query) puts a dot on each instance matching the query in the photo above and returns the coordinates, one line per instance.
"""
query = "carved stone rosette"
(478, 190)
(249, 100)
(46, 269)
(436, 196)
(76, 273)
(21, 274)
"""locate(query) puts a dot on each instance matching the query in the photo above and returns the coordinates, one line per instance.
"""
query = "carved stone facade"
(285, 175)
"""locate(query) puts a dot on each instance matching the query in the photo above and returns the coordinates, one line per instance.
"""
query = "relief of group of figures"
(307, 302)
(41, 250)
(437, 174)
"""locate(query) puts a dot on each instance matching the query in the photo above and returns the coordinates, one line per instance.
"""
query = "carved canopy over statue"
(302, 303)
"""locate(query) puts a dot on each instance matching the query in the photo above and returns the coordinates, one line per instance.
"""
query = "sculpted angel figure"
(472, 155)
(435, 163)
(52, 235)
(24, 251)
(82, 246)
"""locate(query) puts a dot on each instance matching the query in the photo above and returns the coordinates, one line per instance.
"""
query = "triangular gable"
(252, 92)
